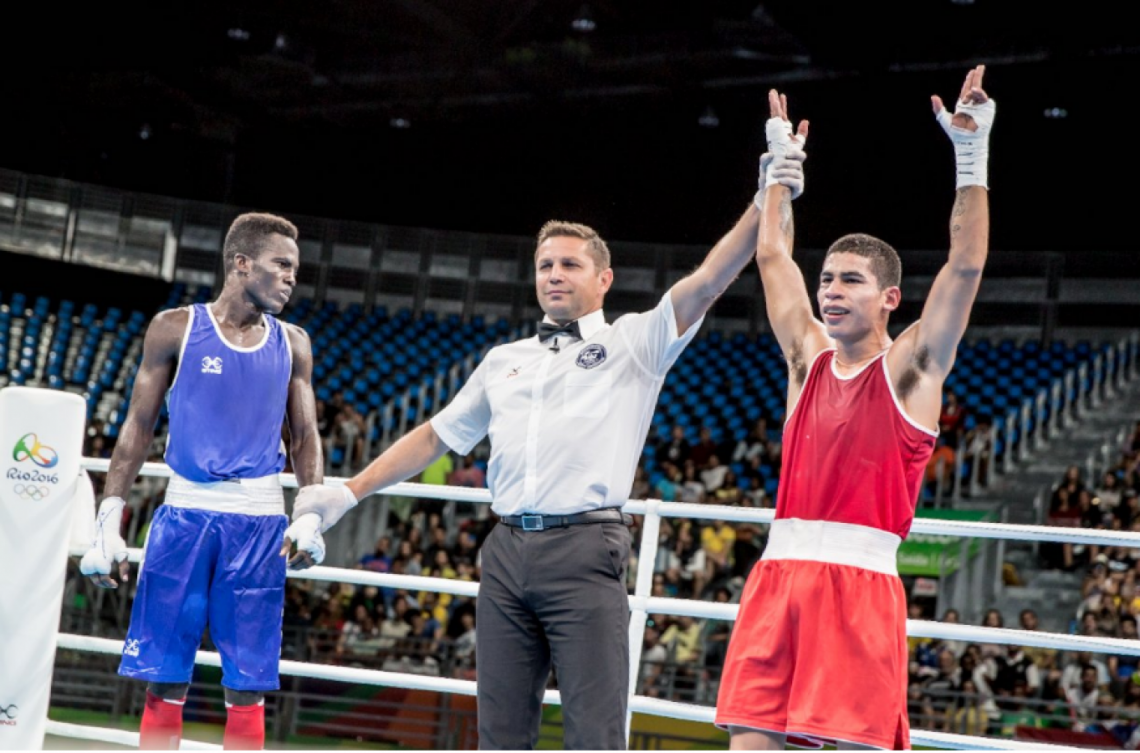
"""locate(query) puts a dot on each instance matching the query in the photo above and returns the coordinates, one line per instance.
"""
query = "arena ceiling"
(643, 117)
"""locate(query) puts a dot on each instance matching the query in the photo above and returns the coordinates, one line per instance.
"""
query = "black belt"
(543, 522)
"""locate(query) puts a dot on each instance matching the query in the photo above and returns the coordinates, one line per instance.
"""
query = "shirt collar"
(589, 325)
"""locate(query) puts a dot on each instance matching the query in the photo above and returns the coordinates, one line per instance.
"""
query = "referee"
(567, 412)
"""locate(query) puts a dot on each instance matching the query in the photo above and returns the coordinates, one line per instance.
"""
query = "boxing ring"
(641, 605)
(1052, 410)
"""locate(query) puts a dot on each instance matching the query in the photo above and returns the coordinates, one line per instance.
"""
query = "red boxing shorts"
(819, 651)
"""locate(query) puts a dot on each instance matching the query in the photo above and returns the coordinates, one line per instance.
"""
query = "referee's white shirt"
(567, 427)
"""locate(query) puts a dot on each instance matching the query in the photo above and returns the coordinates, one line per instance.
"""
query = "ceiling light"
(239, 35)
(400, 123)
(708, 118)
(144, 131)
(1056, 113)
(584, 20)
(280, 43)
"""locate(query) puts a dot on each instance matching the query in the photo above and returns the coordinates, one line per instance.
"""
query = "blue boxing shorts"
(207, 564)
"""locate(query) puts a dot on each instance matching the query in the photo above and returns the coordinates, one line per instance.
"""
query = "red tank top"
(851, 455)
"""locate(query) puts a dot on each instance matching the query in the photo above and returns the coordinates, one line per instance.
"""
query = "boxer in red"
(819, 648)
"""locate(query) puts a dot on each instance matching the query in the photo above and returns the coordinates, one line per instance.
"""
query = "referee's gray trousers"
(556, 596)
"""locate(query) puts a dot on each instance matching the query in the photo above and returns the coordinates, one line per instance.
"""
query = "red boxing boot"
(161, 727)
(245, 727)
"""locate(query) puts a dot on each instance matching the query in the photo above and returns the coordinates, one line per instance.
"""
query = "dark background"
(516, 117)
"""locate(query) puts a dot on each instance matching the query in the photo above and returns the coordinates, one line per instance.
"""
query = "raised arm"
(927, 350)
(800, 335)
(694, 295)
(301, 413)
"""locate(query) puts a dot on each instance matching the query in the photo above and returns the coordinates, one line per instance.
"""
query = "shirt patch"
(591, 356)
(514, 372)
(212, 365)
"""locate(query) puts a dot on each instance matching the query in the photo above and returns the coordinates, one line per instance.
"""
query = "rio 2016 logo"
(29, 448)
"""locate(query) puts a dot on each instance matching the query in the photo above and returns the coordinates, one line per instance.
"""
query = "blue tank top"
(227, 404)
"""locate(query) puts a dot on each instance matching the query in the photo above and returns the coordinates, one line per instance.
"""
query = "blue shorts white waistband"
(247, 496)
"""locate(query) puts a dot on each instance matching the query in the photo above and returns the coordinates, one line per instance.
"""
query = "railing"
(453, 272)
(1039, 419)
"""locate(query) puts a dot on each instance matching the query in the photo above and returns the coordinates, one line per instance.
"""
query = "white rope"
(643, 603)
(361, 578)
(113, 736)
(355, 675)
(929, 526)
(289, 481)
(712, 610)
(919, 628)
(642, 704)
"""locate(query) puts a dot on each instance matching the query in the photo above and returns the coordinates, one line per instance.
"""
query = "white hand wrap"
(305, 532)
(329, 502)
(971, 148)
(108, 547)
(783, 163)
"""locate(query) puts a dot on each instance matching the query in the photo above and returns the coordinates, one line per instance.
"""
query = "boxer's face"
(269, 278)
(567, 280)
(851, 302)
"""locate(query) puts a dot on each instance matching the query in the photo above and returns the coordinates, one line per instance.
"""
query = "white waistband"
(247, 496)
(834, 543)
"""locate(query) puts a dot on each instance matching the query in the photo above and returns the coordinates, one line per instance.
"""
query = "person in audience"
(361, 628)
(703, 450)
(940, 468)
(668, 486)
(1014, 668)
(714, 474)
(1122, 666)
(1109, 492)
(755, 445)
(641, 488)
(692, 490)
(348, 435)
(683, 639)
(1084, 696)
(755, 495)
(952, 420)
(729, 492)
(1042, 657)
(654, 655)
(674, 450)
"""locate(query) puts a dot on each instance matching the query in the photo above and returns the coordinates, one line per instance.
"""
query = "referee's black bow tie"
(547, 331)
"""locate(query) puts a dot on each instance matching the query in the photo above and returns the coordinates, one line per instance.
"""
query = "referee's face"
(567, 281)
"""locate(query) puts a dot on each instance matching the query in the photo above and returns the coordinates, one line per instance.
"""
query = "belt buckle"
(532, 523)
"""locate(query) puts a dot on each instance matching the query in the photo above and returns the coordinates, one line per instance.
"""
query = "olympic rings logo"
(29, 448)
(9, 712)
(31, 491)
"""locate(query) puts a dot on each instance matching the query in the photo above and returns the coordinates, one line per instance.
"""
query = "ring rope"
(113, 736)
(715, 611)
(642, 704)
(639, 604)
(927, 526)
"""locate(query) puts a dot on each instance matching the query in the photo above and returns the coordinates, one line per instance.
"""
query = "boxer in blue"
(217, 551)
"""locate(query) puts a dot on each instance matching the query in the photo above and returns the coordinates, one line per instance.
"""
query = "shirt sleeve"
(466, 419)
(654, 339)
